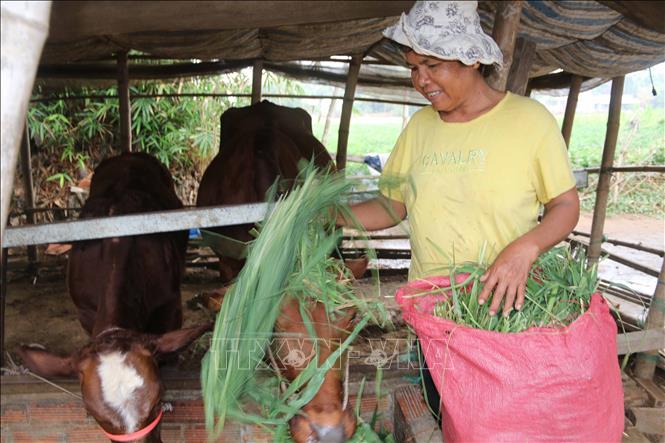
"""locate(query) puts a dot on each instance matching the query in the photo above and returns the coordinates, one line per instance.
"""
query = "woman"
(473, 169)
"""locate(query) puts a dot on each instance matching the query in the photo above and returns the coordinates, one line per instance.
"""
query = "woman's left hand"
(507, 276)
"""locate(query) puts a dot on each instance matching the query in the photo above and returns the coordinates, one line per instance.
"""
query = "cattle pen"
(547, 45)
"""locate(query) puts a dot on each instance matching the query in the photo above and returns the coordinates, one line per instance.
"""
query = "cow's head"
(325, 419)
(119, 376)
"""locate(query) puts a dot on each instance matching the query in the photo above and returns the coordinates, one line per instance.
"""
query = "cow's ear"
(175, 341)
(44, 363)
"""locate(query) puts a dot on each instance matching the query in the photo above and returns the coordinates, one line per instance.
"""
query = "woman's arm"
(508, 274)
(372, 215)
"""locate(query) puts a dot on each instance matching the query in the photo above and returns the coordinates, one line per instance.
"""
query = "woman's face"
(445, 83)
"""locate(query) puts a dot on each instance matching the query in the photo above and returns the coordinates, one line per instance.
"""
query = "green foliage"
(60, 178)
(179, 131)
(641, 138)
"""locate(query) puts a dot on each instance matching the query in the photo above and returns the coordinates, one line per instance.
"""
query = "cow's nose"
(330, 434)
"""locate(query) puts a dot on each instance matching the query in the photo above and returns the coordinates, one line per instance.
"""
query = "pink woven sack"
(540, 385)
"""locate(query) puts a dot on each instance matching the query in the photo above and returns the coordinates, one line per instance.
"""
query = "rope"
(15, 369)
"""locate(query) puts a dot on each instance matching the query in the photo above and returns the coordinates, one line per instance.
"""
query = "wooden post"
(506, 23)
(529, 89)
(646, 361)
(3, 297)
(571, 105)
(257, 72)
(28, 188)
(347, 107)
(602, 191)
(125, 107)
(518, 76)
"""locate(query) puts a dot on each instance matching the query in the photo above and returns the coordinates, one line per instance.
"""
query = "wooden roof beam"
(74, 20)
(557, 80)
(109, 71)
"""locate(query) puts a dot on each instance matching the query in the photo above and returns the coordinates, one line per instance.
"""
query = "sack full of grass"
(547, 373)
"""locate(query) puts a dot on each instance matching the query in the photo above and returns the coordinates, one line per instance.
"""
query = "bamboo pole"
(125, 107)
(215, 95)
(571, 106)
(257, 73)
(28, 188)
(347, 107)
(504, 32)
(636, 246)
(650, 168)
(646, 361)
(602, 191)
(329, 116)
(617, 258)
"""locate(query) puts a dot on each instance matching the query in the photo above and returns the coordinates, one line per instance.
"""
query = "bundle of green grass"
(290, 255)
(558, 291)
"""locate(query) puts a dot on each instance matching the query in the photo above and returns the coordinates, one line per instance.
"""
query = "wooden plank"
(602, 192)
(518, 77)
(655, 392)
(552, 81)
(632, 435)
(504, 33)
(634, 395)
(650, 420)
(640, 341)
(646, 363)
(124, 105)
(73, 20)
(571, 106)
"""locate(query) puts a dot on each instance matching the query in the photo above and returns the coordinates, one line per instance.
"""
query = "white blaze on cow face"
(119, 381)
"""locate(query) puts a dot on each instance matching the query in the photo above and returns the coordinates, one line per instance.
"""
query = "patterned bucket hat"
(449, 30)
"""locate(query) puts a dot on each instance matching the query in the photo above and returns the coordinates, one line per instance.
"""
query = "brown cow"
(127, 292)
(258, 143)
(324, 418)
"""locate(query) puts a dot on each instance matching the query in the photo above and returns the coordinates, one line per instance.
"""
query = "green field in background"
(641, 142)
(641, 137)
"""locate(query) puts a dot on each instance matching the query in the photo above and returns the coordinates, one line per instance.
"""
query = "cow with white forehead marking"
(127, 292)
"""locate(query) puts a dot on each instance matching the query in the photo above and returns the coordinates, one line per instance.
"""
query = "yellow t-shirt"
(475, 183)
